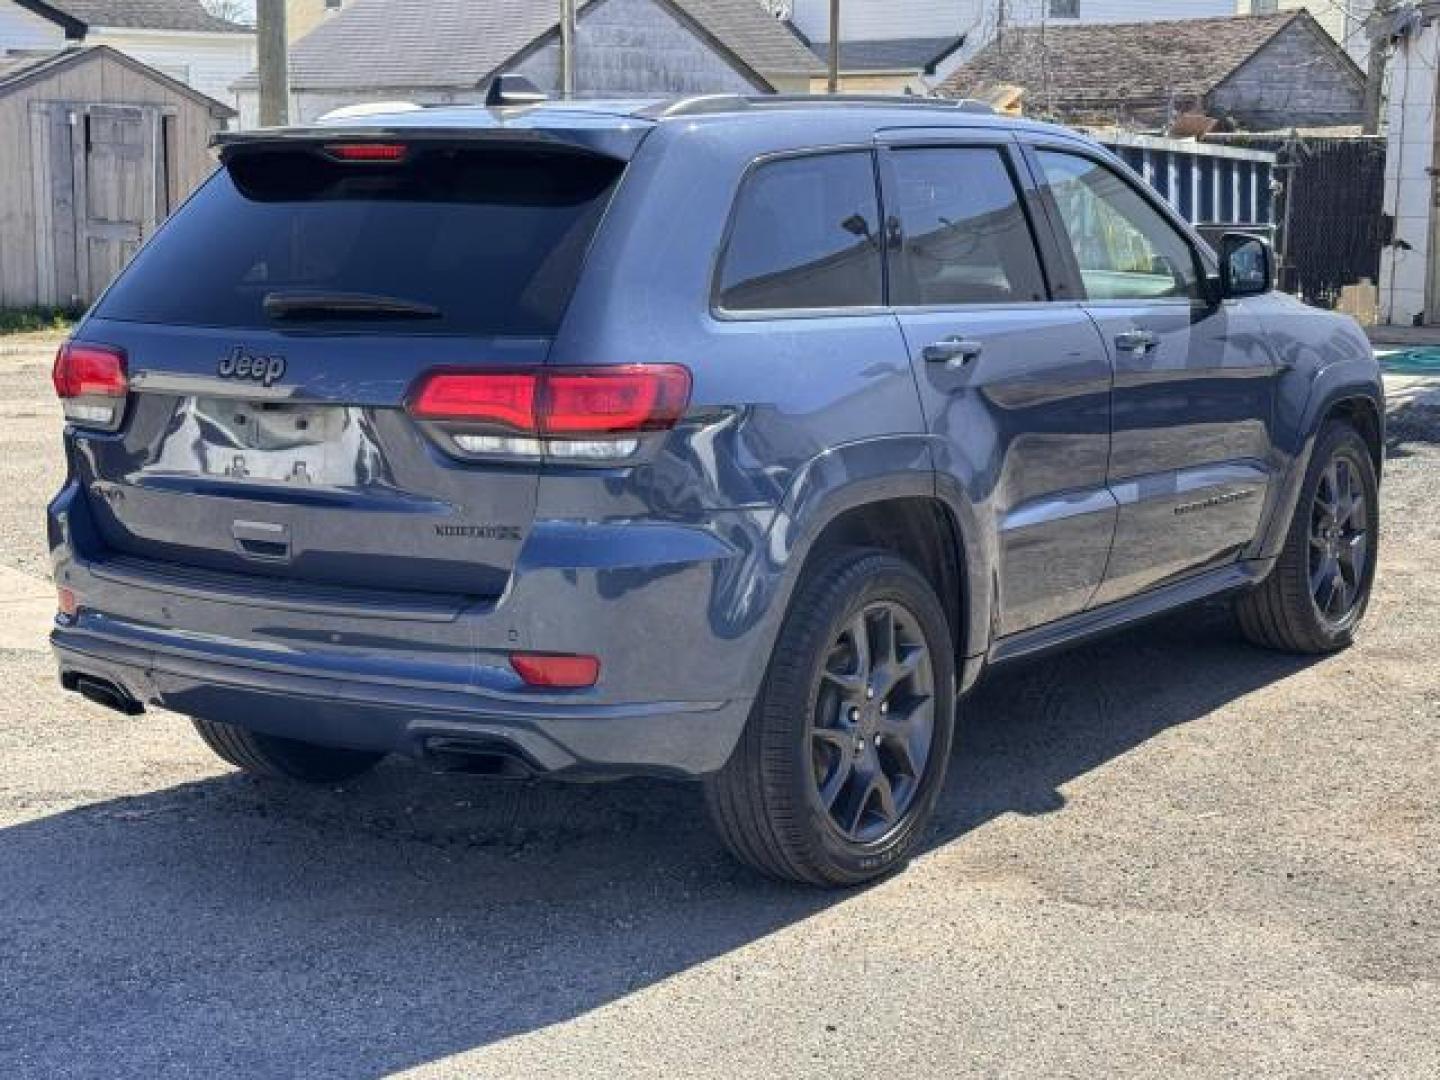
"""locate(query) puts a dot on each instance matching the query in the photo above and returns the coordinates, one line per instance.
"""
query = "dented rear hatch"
(271, 334)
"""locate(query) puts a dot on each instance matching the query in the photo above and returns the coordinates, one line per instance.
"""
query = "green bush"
(29, 320)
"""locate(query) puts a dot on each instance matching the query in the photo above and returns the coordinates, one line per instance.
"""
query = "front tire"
(843, 758)
(1317, 595)
(275, 758)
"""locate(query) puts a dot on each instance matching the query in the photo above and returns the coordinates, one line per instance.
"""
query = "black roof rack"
(723, 103)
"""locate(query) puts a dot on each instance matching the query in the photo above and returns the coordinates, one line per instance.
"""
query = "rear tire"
(843, 758)
(1317, 595)
(275, 758)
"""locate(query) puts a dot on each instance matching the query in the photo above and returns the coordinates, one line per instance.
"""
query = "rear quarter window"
(493, 239)
(805, 236)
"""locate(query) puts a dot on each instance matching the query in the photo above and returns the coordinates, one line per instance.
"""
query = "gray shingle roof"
(900, 54)
(762, 41)
(1093, 65)
(398, 44)
(147, 15)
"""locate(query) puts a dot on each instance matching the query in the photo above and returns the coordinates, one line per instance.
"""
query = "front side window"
(1124, 246)
(965, 236)
(805, 237)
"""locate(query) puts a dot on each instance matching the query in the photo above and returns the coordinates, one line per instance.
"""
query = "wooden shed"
(96, 149)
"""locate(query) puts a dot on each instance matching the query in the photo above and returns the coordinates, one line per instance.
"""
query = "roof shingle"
(1096, 65)
(147, 15)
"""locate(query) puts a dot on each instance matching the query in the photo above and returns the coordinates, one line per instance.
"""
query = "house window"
(1064, 9)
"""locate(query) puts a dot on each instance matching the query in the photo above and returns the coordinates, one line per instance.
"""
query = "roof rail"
(723, 103)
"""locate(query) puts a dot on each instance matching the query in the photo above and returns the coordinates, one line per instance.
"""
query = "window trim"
(1065, 248)
(1005, 147)
(720, 312)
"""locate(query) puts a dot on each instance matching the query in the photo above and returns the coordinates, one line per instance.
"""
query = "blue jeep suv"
(726, 438)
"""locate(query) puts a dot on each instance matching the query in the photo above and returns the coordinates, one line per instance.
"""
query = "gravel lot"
(1165, 854)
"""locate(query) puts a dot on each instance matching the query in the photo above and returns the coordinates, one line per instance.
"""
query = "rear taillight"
(574, 414)
(91, 381)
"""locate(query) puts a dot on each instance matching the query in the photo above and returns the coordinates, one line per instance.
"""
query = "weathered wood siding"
(1297, 79)
(29, 155)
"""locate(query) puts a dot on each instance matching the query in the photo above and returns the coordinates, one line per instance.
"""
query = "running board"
(1148, 605)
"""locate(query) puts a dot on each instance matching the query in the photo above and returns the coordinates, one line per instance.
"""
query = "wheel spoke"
(839, 776)
(1353, 555)
(906, 735)
(851, 684)
(883, 796)
(859, 633)
(1320, 579)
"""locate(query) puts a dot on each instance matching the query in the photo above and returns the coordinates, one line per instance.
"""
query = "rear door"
(1015, 383)
(1194, 381)
(273, 330)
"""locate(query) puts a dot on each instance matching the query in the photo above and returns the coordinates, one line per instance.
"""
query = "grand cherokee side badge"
(242, 364)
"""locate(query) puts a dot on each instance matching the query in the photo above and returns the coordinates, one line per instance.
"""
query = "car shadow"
(229, 927)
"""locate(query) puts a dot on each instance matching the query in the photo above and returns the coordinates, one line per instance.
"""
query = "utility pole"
(274, 63)
(1379, 23)
(834, 83)
(567, 48)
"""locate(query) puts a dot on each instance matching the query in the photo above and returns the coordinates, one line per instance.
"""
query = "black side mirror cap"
(1247, 265)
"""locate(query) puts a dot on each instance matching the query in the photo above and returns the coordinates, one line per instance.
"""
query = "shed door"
(116, 170)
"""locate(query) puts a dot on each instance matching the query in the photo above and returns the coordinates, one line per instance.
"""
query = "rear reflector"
(367, 151)
(66, 602)
(558, 401)
(89, 371)
(556, 672)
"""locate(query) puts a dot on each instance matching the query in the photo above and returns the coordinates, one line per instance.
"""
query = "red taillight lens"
(508, 399)
(364, 152)
(89, 371)
(556, 672)
(558, 401)
(622, 400)
(66, 602)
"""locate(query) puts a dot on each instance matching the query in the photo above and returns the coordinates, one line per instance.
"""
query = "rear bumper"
(579, 740)
(682, 633)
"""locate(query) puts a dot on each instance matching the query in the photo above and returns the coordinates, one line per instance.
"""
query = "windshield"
(483, 242)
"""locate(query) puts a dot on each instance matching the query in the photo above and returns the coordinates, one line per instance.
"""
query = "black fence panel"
(1332, 229)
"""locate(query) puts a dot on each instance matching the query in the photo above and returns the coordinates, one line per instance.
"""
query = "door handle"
(953, 352)
(1139, 342)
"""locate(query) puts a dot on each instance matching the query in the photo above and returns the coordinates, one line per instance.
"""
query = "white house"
(1345, 19)
(176, 37)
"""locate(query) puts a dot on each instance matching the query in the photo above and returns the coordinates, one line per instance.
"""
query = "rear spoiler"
(575, 133)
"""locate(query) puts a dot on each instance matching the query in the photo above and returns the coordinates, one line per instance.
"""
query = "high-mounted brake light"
(363, 152)
(578, 414)
(91, 381)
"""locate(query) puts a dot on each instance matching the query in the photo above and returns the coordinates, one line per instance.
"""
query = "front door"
(1016, 388)
(1194, 380)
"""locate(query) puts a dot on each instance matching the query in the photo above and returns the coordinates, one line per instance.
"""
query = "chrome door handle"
(1137, 341)
(953, 352)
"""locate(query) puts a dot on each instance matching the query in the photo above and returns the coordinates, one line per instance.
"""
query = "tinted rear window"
(806, 237)
(493, 239)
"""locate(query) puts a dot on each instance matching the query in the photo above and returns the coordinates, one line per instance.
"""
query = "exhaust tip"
(474, 757)
(102, 692)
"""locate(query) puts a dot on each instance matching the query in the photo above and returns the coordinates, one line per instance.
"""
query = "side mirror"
(1247, 266)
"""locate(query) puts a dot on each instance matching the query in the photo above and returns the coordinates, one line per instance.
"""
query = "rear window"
(490, 241)
(805, 237)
